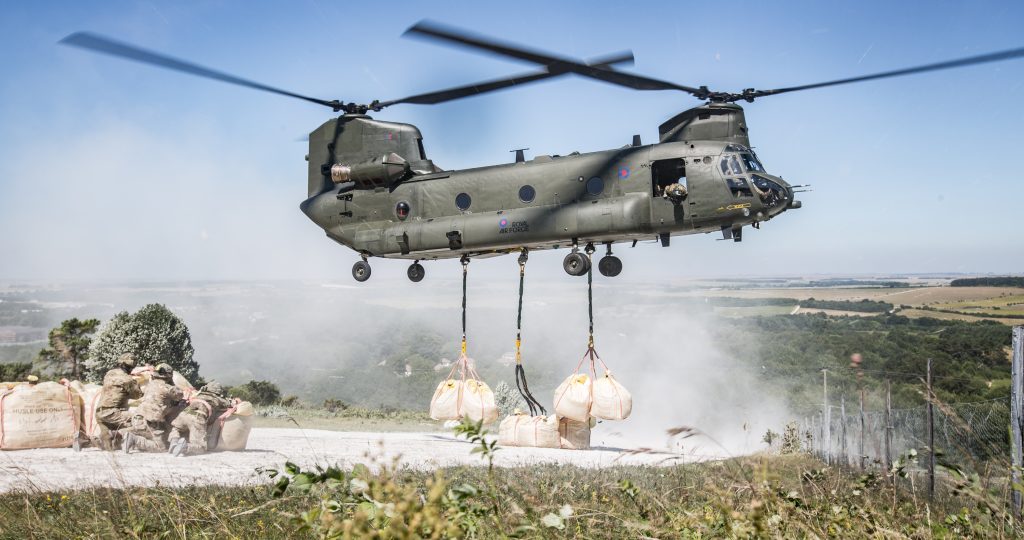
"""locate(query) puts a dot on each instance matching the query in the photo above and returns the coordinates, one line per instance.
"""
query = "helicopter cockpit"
(746, 177)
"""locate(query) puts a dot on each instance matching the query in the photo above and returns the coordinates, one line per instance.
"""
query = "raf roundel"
(623, 173)
(503, 223)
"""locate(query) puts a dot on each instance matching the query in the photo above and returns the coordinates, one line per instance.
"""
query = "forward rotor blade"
(450, 94)
(551, 62)
(100, 44)
(962, 62)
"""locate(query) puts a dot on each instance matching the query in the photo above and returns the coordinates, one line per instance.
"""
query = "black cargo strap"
(465, 276)
(524, 388)
(590, 298)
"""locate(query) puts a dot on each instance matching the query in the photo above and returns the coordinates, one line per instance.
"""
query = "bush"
(153, 334)
(334, 405)
(257, 392)
(507, 399)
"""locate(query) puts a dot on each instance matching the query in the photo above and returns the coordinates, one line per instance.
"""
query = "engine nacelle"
(377, 172)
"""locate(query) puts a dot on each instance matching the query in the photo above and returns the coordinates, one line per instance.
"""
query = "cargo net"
(467, 396)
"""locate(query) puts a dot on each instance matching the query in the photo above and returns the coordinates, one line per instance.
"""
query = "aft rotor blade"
(551, 62)
(450, 94)
(100, 44)
(962, 62)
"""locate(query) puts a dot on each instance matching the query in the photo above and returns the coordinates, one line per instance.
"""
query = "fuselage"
(554, 201)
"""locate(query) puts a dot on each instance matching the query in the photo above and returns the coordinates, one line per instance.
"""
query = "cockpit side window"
(730, 165)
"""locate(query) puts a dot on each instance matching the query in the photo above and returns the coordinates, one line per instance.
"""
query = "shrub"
(153, 334)
(257, 392)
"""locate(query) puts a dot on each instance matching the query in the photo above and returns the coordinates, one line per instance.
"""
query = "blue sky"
(113, 170)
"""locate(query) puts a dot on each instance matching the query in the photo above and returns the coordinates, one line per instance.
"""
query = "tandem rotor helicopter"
(372, 189)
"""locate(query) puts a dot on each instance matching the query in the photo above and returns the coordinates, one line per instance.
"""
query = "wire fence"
(969, 436)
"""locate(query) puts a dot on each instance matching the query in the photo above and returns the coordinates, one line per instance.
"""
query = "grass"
(756, 497)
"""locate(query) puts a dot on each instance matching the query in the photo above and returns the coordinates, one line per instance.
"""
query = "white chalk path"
(62, 469)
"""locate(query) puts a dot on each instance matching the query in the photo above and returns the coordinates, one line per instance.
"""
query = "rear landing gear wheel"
(416, 272)
(609, 265)
(576, 264)
(361, 271)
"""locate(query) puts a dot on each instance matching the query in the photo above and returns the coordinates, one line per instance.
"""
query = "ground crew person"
(112, 410)
(189, 429)
(160, 404)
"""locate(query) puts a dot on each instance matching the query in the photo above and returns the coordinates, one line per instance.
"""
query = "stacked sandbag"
(43, 415)
(574, 435)
(235, 427)
(526, 430)
(573, 397)
(611, 400)
(89, 394)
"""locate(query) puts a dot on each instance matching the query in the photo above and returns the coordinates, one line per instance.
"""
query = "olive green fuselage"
(549, 201)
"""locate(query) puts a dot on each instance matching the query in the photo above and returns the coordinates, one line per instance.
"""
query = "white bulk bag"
(43, 415)
(507, 429)
(611, 400)
(234, 430)
(89, 394)
(537, 431)
(573, 435)
(445, 403)
(572, 397)
(478, 402)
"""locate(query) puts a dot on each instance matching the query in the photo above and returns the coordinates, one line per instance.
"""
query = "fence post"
(826, 420)
(863, 452)
(931, 434)
(1017, 415)
(842, 419)
(888, 426)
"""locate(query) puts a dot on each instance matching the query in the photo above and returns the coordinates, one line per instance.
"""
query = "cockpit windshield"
(739, 163)
(730, 165)
(751, 162)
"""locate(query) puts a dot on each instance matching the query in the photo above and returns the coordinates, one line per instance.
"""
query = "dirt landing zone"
(62, 469)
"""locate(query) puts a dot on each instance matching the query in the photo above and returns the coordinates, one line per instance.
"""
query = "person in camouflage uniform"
(112, 410)
(189, 430)
(160, 403)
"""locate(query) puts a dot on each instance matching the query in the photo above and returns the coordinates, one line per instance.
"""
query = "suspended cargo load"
(611, 400)
(43, 415)
(235, 426)
(573, 397)
(478, 402)
(445, 403)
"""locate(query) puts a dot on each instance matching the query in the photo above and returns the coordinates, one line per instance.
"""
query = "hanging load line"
(521, 384)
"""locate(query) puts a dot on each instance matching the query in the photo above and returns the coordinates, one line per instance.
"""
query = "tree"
(68, 349)
(15, 372)
(152, 334)
(257, 392)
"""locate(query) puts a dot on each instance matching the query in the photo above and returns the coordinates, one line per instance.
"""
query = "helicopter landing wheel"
(361, 271)
(609, 265)
(576, 264)
(416, 272)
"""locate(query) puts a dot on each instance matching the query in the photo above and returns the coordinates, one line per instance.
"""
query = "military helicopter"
(372, 188)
